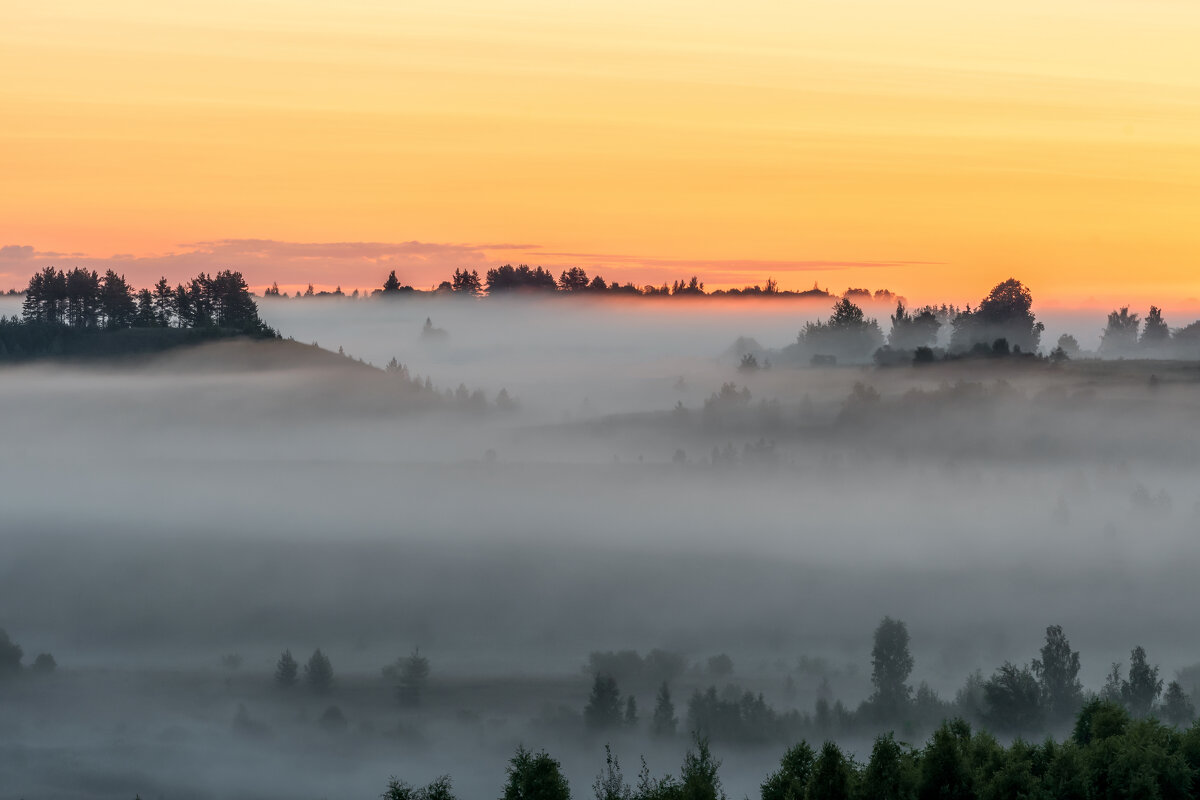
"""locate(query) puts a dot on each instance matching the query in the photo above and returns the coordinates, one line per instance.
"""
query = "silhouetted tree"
(1143, 685)
(891, 664)
(1012, 700)
(1058, 676)
(1177, 707)
(286, 670)
(664, 722)
(603, 710)
(44, 664)
(10, 655)
(1120, 334)
(1155, 332)
(631, 715)
(391, 284)
(911, 331)
(466, 282)
(508, 278)
(573, 280)
(117, 305)
(318, 672)
(413, 676)
(535, 777)
(1006, 313)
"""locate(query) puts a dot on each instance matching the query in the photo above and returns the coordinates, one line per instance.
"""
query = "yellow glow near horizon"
(1057, 141)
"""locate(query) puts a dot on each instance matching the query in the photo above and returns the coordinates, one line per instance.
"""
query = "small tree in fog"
(535, 777)
(891, 664)
(720, 665)
(1143, 685)
(44, 664)
(1177, 707)
(1058, 676)
(603, 710)
(286, 670)
(318, 672)
(610, 784)
(664, 722)
(631, 715)
(1013, 700)
(10, 655)
(414, 675)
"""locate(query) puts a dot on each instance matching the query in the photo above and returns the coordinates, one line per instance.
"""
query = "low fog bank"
(174, 523)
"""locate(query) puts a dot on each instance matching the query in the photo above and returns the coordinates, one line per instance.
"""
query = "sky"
(931, 147)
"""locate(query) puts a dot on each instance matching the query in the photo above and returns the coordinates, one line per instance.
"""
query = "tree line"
(1038, 697)
(84, 299)
(82, 313)
(508, 279)
(1108, 754)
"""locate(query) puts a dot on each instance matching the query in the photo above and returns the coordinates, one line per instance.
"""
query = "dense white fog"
(244, 498)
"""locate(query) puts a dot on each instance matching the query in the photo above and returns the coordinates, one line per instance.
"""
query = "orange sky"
(933, 147)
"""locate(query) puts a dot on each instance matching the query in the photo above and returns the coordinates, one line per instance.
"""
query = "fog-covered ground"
(163, 513)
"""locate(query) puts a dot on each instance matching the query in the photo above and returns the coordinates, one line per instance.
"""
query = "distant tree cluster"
(12, 654)
(81, 313)
(83, 299)
(1043, 696)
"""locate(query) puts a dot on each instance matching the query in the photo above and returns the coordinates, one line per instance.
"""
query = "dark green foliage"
(831, 774)
(698, 779)
(742, 718)
(790, 781)
(535, 777)
(663, 723)
(286, 670)
(1155, 331)
(318, 672)
(891, 664)
(1099, 719)
(944, 774)
(1012, 700)
(603, 710)
(10, 655)
(890, 774)
(1111, 756)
